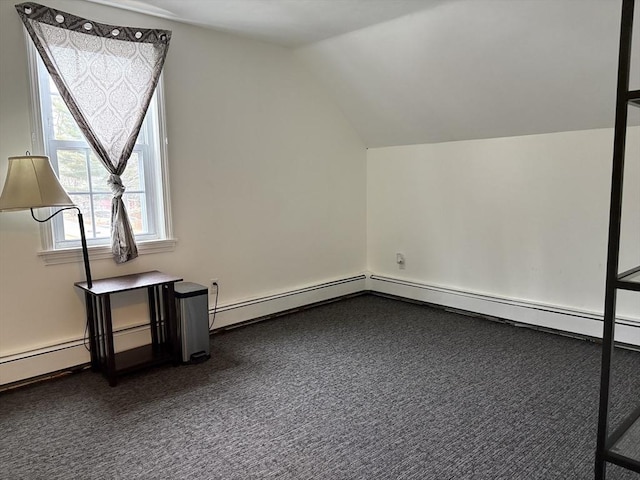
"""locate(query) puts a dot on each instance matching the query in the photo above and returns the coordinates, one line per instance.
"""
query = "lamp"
(31, 183)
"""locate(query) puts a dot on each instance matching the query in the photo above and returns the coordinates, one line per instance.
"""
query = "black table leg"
(108, 336)
(93, 338)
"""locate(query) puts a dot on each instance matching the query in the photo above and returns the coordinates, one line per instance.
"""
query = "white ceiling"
(470, 69)
(423, 71)
(290, 23)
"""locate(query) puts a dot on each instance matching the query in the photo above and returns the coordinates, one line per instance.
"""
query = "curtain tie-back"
(116, 186)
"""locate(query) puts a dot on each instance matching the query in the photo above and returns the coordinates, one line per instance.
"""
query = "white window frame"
(52, 255)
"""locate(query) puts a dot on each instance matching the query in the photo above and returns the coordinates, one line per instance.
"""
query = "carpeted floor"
(365, 388)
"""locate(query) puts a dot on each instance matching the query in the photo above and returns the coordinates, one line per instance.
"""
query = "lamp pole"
(83, 239)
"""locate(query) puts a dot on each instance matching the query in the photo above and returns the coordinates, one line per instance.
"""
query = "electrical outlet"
(213, 282)
(400, 261)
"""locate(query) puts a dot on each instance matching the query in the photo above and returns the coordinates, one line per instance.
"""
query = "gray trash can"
(192, 303)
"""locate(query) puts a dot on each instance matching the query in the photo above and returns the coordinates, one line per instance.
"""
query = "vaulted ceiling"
(423, 71)
(289, 23)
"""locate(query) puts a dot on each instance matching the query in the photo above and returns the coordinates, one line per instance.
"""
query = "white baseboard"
(68, 355)
(583, 323)
(63, 356)
(71, 354)
(242, 311)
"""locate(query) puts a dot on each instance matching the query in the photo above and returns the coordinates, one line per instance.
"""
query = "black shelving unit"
(622, 446)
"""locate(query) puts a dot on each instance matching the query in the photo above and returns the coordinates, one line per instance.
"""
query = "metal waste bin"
(192, 304)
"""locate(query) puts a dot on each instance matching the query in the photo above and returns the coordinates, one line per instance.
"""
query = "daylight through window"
(85, 178)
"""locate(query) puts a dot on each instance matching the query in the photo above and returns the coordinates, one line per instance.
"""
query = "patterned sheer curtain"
(106, 75)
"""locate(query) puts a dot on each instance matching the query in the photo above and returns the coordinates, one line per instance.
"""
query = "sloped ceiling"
(290, 23)
(424, 71)
(469, 69)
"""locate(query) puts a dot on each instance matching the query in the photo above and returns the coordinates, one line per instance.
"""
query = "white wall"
(518, 218)
(267, 182)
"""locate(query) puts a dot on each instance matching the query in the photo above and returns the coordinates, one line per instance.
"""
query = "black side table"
(162, 322)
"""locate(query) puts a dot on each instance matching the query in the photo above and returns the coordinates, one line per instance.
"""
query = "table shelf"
(630, 280)
(625, 443)
(141, 357)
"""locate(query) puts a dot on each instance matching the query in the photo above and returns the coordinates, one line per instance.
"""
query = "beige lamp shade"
(32, 183)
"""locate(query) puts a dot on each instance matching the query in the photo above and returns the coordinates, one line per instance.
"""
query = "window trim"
(53, 256)
(74, 254)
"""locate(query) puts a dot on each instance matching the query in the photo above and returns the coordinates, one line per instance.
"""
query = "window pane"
(102, 215)
(132, 176)
(99, 175)
(70, 218)
(86, 179)
(72, 170)
(52, 85)
(64, 126)
(134, 203)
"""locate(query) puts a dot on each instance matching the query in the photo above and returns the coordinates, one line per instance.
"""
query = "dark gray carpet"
(364, 388)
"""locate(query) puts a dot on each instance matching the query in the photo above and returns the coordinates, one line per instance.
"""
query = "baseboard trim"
(72, 355)
(519, 312)
(278, 314)
(64, 356)
(262, 307)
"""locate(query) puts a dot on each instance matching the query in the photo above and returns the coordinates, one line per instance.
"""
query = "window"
(85, 178)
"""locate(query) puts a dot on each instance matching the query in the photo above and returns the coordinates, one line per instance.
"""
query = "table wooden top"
(123, 283)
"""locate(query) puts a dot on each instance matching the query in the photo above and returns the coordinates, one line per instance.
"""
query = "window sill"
(71, 255)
